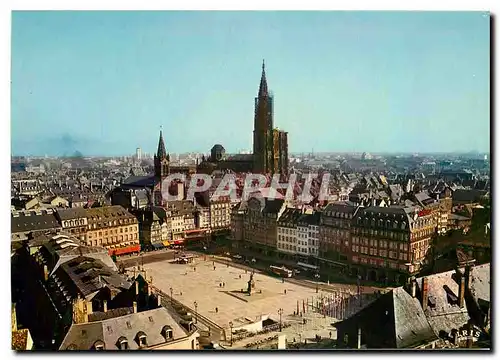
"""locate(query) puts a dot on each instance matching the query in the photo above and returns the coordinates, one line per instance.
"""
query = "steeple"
(162, 159)
(161, 153)
(263, 82)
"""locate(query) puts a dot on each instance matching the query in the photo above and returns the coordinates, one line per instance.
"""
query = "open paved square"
(199, 282)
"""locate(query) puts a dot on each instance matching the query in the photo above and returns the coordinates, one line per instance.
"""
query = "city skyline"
(106, 84)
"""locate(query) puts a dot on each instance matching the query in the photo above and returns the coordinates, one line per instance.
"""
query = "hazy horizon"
(102, 83)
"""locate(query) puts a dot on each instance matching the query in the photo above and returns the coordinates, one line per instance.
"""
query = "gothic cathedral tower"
(263, 128)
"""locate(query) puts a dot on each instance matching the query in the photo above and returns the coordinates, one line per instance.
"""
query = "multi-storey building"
(302, 234)
(313, 221)
(287, 232)
(390, 243)
(73, 221)
(237, 223)
(150, 228)
(113, 228)
(220, 214)
(27, 224)
(260, 224)
(335, 234)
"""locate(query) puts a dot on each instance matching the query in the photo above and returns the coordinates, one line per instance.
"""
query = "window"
(99, 345)
(167, 332)
(122, 343)
(141, 339)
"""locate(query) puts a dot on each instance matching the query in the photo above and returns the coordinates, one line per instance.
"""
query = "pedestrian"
(216, 310)
(240, 276)
(285, 291)
(330, 334)
(214, 267)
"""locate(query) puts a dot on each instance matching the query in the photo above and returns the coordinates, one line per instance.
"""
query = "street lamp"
(171, 296)
(317, 279)
(280, 312)
(196, 312)
(231, 327)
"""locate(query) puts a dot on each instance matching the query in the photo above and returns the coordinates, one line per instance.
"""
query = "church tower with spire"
(263, 128)
(162, 170)
(161, 160)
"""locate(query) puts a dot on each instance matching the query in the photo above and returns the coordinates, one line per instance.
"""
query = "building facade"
(113, 228)
(390, 243)
(260, 224)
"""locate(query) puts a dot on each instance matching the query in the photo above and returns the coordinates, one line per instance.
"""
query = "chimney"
(359, 338)
(136, 287)
(467, 276)
(425, 292)
(45, 273)
(158, 297)
(89, 308)
(413, 288)
(135, 307)
(105, 304)
(461, 289)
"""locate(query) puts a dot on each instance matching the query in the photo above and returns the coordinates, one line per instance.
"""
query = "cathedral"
(270, 156)
(270, 145)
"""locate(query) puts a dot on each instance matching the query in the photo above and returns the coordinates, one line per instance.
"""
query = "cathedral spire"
(161, 153)
(263, 82)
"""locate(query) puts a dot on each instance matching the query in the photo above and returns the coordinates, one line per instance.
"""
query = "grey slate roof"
(89, 275)
(272, 206)
(151, 322)
(446, 315)
(395, 320)
(339, 208)
(25, 223)
(73, 213)
(480, 282)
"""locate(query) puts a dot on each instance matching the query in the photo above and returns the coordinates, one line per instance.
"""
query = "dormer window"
(141, 339)
(167, 332)
(99, 345)
(122, 343)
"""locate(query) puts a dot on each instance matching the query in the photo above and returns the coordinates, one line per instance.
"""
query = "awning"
(158, 245)
(193, 231)
(125, 250)
(178, 242)
(166, 243)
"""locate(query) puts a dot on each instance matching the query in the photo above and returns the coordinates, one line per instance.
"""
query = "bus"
(281, 271)
(307, 267)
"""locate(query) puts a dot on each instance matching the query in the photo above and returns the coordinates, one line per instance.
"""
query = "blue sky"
(102, 83)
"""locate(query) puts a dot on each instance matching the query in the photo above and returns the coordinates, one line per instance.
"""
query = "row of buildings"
(376, 243)
(72, 297)
(121, 231)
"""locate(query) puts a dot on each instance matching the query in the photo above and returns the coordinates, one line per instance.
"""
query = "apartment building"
(260, 224)
(335, 236)
(390, 243)
(113, 228)
(220, 214)
(287, 231)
